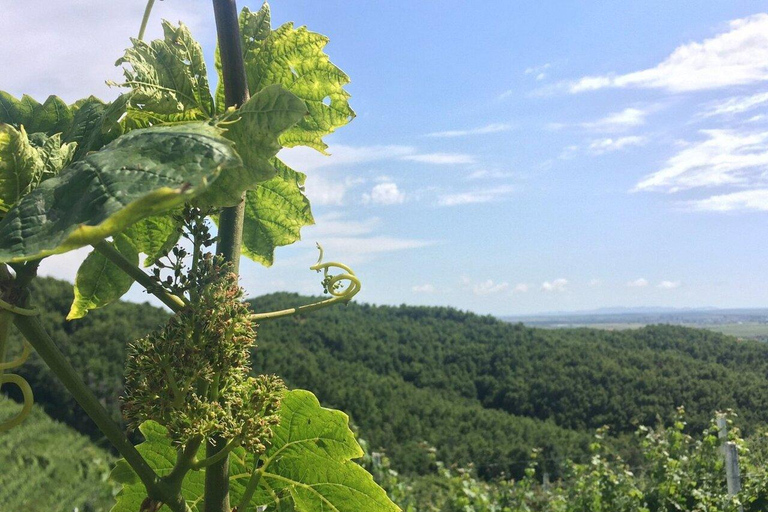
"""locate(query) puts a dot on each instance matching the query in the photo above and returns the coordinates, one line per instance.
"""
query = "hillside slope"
(478, 389)
(48, 466)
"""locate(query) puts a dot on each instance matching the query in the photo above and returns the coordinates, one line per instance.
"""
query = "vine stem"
(230, 221)
(33, 331)
(145, 19)
(172, 301)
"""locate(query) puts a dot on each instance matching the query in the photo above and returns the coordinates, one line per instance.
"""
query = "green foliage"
(100, 282)
(161, 455)
(48, 466)
(307, 468)
(25, 162)
(295, 59)
(275, 212)
(140, 174)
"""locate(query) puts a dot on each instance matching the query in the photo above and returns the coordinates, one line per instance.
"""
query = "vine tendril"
(332, 284)
(8, 310)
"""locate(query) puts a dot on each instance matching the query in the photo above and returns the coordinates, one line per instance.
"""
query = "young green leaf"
(295, 59)
(51, 117)
(167, 78)
(155, 236)
(309, 467)
(54, 156)
(16, 112)
(275, 212)
(20, 166)
(141, 174)
(87, 128)
(255, 128)
(100, 282)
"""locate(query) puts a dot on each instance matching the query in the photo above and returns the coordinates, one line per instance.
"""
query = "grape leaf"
(275, 212)
(141, 174)
(255, 128)
(87, 128)
(167, 78)
(161, 456)
(154, 236)
(295, 59)
(20, 166)
(16, 112)
(309, 467)
(51, 117)
(100, 282)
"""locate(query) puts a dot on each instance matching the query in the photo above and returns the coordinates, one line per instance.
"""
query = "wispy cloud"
(475, 196)
(489, 174)
(538, 72)
(617, 121)
(725, 157)
(482, 130)
(306, 159)
(489, 287)
(638, 283)
(386, 193)
(423, 288)
(441, 158)
(607, 145)
(521, 288)
(556, 285)
(736, 105)
(746, 200)
(736, 57)
(669, 285)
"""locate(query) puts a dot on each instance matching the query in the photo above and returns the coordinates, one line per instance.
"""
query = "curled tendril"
(12, 378)
(332, 284)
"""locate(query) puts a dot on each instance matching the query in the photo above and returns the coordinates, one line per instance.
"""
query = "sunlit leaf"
(275, 212)
(141, 174)
(309, 467)
(255, 128)
(100, 282)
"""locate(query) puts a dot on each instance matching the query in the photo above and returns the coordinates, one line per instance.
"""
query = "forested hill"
(478, 389)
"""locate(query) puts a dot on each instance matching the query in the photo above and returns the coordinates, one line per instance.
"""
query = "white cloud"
(423, 288)
(538, 72)
(638, 283)
(594, 283)
(441, 158)
(475, 196)
(489, 287)
(385, 194)
(556, 285)
(488, 174)
(736, 57)
(356, 246)
(325, 190)
(669, 285)
(736, 105)
(69, 48)
(521, 288)
(725, 157)
(616, 121)
(336, 224)
(307, 159)
(746, 200)
(489, 128)
(607, 145)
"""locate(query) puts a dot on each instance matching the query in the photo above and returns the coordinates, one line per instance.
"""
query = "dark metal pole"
(230, 220)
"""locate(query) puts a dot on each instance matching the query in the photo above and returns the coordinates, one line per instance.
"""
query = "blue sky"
(508, 157)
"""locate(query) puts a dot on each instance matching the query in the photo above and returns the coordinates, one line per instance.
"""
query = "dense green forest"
(478, 389)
